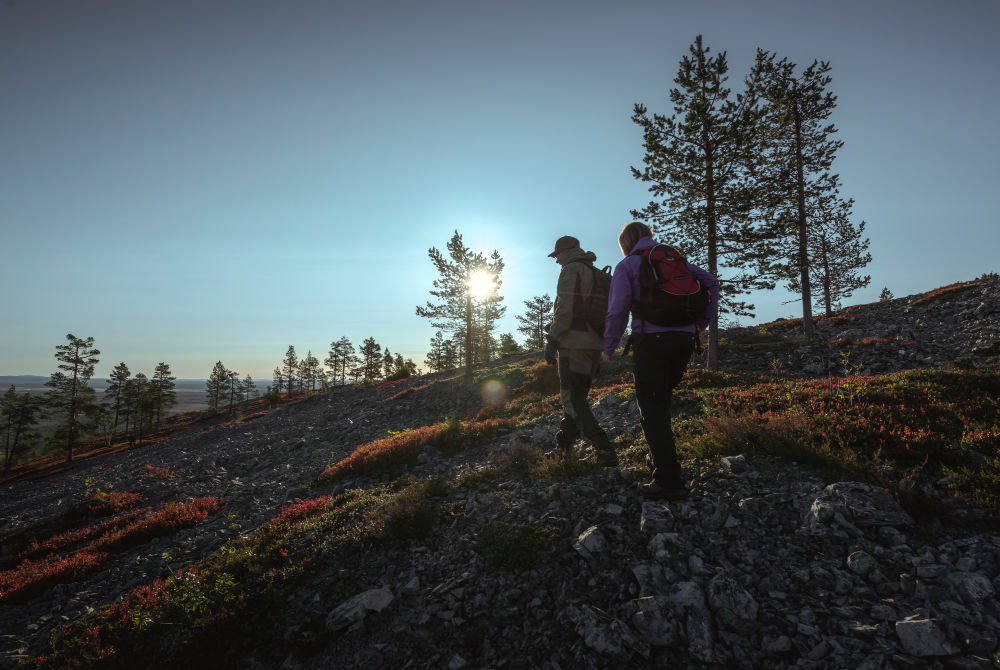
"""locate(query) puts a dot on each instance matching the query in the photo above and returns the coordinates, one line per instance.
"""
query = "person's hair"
(632, 233)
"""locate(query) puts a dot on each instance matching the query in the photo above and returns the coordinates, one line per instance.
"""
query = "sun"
(481, 285)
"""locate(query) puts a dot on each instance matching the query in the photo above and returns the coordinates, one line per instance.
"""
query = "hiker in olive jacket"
(578, 347)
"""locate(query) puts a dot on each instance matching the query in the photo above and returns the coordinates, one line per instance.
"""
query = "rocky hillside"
(479, 552)
(959, 323)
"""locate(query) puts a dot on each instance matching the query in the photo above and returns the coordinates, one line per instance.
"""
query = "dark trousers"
(660, 360)
(576, 373)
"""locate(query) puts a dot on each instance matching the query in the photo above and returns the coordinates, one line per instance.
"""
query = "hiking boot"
(606, 459)
(656, 491)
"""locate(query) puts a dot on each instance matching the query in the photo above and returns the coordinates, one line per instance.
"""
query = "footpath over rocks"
(528, 564)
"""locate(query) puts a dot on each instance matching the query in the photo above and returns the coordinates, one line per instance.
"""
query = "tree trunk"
(827, 297)
(807, 321)
(713, 257)
(468, 331)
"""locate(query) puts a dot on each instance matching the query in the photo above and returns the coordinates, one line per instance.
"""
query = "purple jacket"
(625, 291)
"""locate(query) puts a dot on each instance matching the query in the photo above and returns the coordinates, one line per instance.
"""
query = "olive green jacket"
(578, 267)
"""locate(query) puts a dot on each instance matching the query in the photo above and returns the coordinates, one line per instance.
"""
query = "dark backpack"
(591, 310)
(669, 295)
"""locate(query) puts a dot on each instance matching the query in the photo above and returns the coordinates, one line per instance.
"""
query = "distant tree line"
(133, 406)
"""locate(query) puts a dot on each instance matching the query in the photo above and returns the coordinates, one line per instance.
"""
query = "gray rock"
(734, 464)
(923, 638)
(656, 518)
(733, 606)
(860, 563)
(590, 542)
(358, 607)
(653, 621)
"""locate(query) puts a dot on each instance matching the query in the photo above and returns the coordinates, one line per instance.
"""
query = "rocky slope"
(956, 324)
(765, 565)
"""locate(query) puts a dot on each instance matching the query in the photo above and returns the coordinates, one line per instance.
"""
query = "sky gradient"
(193, 181)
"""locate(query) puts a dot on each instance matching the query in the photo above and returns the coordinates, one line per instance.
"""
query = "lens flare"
(493, 391)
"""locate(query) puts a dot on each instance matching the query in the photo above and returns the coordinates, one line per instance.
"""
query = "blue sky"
(193, 181)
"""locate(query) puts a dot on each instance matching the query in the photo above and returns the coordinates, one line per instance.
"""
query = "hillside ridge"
(477, 551)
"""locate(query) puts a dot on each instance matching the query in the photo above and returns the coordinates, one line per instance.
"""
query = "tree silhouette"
(696, 163)
(533, 321)
(19, 416)
(70, 396)
(162, 391)
(458, 311)
(117, 381)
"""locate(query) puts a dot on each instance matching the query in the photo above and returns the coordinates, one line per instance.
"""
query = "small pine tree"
(508, 346)
(216, 386)
(19, 416)
(886, 294)
(534, 320)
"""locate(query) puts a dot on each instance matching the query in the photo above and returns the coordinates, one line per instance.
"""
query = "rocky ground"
(765, 565)
(899, 334)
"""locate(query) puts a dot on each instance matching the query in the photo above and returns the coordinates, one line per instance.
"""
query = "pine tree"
(291, 367)
(248, 387)
(162, 391)
(139, 402)
(114, 392)
(886, 294)
(371, 360)
(70, 396)
(696, 163)
(435, 356)
(278, 381)
(216, 386)
(19, 415)
(388, 364)
(799, 153)
(340, 360)
(233, 386)
(836, 254)
(458, 311)
(508, 346)
(533, 321)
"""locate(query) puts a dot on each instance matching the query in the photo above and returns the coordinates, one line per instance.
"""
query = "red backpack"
(669, 294)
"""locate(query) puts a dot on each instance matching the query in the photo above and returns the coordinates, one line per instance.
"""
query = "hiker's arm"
(619, 304)
(562, 317)
(710, 282)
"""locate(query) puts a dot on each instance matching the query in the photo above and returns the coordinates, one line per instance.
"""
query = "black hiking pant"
(576, 373)
(660, 360)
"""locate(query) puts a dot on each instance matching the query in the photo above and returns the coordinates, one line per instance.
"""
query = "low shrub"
(515, 546)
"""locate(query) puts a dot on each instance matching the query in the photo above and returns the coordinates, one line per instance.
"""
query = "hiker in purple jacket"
(660, 358)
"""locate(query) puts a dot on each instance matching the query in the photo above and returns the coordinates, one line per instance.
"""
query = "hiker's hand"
(605, 358)
(550, 353)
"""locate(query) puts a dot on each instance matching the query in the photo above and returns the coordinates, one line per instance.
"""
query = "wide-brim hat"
(563, 243)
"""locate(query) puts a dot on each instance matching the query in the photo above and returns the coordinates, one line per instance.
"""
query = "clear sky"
(193, 181)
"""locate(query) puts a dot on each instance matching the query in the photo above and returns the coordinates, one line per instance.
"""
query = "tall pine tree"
(696, 164)
(162, 392)
(468, 302)
(216, 386)
(798, 154)
(114, 391)
(291, 363)
(71, 396)
(370, 365)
